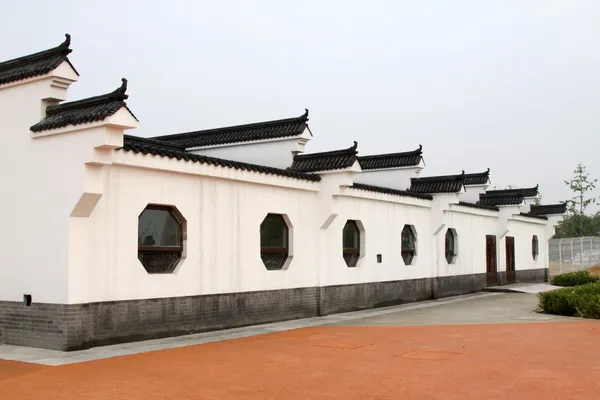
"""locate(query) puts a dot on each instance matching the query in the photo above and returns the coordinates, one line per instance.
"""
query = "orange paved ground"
(508, 361)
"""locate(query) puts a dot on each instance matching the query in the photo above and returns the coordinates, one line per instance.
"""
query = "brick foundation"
(79, 326)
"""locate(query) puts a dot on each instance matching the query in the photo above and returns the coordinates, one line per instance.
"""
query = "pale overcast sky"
(512, 85)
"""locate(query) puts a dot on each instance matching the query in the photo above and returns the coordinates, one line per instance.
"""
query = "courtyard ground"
(487, 346)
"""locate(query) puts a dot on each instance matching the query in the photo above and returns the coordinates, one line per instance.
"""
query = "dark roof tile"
(533, 216)
(240, 133)
(525, 192)
(35, 64)
(392, 160)
(478, 178)
(502, 199)
(83, 111)
(437, 184)
(395, 192)
(154, 147)
(480, 206)
(548, 209)
(326, 161)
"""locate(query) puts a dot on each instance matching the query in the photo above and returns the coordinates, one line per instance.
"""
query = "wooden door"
(510, 259)
(491, 260)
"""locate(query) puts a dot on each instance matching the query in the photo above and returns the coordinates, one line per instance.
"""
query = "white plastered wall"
(277, 153)
(223, 243)
(75, 202)
(34, 239)
(471, 226)
(397, 178)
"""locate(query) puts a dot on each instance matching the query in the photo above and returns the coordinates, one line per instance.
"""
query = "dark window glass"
(159, 239)
(450, 246)
(158, 227)
(535, 250)
(274, 242)
(409, 248)
(351, 243)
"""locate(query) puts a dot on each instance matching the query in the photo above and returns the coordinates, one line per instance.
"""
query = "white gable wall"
(42, 180)
(277, 153)
(397, 178)
(472, 192)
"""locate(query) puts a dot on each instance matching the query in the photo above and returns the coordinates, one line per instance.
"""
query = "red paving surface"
(503, 361)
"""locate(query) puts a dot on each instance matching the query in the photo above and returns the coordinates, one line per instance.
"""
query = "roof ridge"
(301, 118)
(221, 162)
(153, 142)
(349, 151)
(402, 153)
(475, 205)
(491, 195)
(116, 95)
(473, 174)
(62, 48)
(456, 177)
(515, 190)
(392, 191)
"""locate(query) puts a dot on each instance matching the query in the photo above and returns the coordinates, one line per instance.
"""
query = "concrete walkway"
(469, 309)
(532, 288)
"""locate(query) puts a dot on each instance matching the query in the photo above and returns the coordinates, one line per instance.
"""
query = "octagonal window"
(160, 238)
(409, 244)
(451, 245)
(351, 243)
(535, 247)
(274, 241)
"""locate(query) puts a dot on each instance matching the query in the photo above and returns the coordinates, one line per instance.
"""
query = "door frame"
(491, 260)
(510, 260)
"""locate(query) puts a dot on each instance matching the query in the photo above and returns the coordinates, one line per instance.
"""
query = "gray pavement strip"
(52, 357)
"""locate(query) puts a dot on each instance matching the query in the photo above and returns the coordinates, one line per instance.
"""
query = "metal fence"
(573, 254)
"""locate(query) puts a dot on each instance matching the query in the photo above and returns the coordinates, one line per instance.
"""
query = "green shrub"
(580, 301)
(573, 279)
(558, 302)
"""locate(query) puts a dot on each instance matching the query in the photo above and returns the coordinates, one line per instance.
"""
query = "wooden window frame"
(451, 256)
(353, 252)
(171, 250)
(412, 253)
(284, 251)
(535, 247)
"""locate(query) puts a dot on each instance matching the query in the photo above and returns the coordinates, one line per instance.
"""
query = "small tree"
(581, 184)
(537, 200)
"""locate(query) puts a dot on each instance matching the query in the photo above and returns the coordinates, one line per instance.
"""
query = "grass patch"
(577, 301)
(574, 279)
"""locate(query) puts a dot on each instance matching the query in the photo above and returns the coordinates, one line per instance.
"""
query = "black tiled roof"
(525, 192)
(83, 111)
(533, 216)
(480, 206)
(395, 192)
(479, 178)
(548, 209)
(503, 199)
(392, 160)
(129, 139)
(438, 184)
(240, 133)
(35, 64)
(326, 161)
(154, 147)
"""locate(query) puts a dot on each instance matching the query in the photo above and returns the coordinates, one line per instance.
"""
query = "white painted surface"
(277, 153)
(472, 192)
(395, 178)
(74, 204)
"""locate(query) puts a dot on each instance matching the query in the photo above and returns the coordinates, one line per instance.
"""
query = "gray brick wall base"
(80, 326)
(532, 275)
